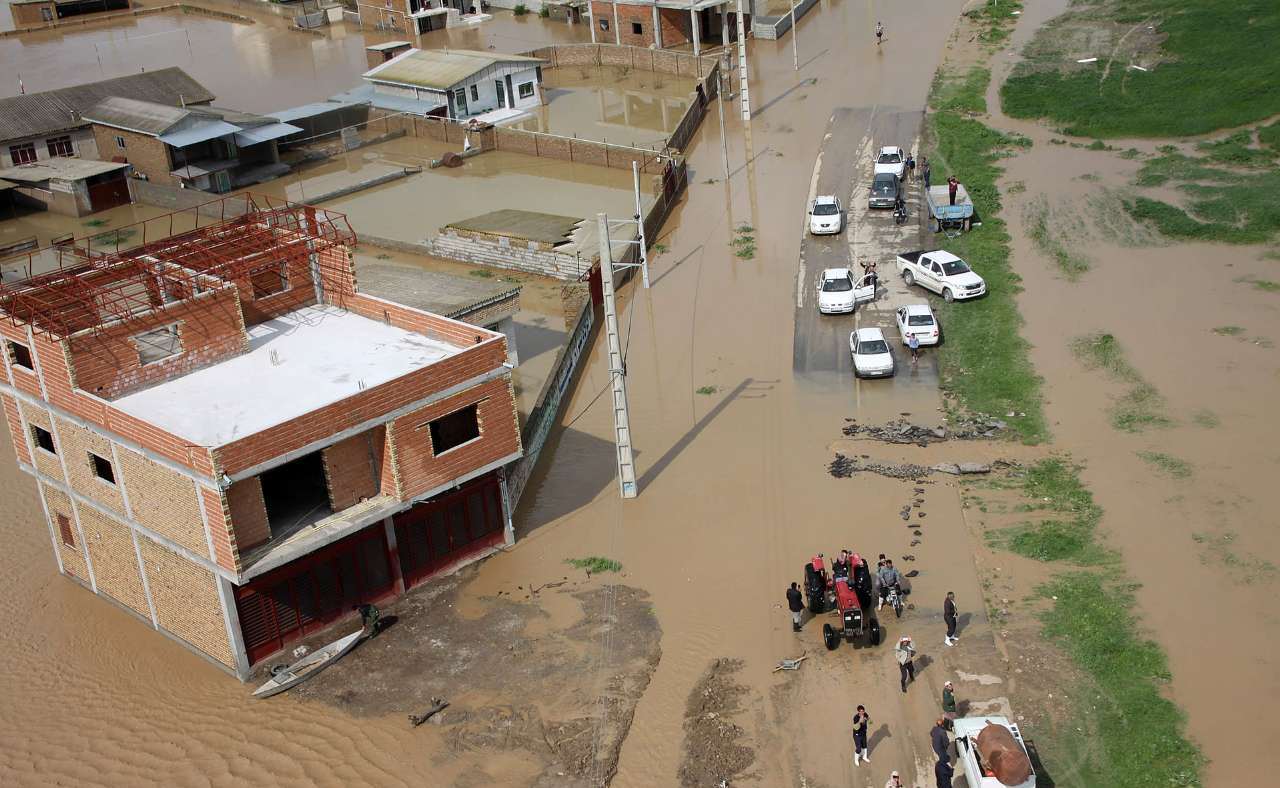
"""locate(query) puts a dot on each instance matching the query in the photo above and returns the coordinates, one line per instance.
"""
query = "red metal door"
(109, 193)
(449, 528)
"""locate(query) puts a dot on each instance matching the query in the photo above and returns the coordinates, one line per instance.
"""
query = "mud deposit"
(714, 745)
(514, 684)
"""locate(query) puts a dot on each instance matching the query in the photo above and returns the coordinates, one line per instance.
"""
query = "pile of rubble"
(842, 467)
(903, 431)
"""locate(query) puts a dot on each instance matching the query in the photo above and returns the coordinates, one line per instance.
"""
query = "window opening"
(450, 432)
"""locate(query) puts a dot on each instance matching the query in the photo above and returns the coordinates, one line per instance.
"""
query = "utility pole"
(724, 142)
(591, 22)
(617, 370)
(742, 65)
(795, 45)
(644, 248)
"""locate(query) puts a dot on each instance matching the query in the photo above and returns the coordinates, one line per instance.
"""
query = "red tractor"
(825, 591)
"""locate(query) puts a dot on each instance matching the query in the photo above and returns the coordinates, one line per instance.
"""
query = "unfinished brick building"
(235, 444)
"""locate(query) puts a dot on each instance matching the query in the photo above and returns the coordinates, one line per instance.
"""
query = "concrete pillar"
(508, 526)
(231, 617)
(393, 554)
(693, 18)
(724, 26)
(666, 114)
(617, 29)
(657, 28)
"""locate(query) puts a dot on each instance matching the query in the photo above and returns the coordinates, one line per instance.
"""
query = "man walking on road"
(942, 773)
(924, 171)
(905, 654)
(913, 342)
(879, 33)
(938, 738)
(861, 721)
(949, 615)
(796, 604)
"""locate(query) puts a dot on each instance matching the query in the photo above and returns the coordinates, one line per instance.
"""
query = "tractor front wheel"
(829, 637)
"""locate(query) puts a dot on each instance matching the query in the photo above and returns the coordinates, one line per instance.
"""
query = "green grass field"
(1216, 69)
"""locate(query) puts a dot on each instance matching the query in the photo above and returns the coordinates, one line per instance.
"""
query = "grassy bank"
(1211, 65)
(1130, 735)
(984, 364)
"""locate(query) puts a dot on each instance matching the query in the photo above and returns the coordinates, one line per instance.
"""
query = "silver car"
(885, 189)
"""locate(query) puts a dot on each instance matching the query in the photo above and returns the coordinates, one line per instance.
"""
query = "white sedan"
(891, 159)
(825, 216)
(839, 294)
(918, 320)
(871, 354)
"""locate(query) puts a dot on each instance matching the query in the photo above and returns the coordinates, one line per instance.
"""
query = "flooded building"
(235, 443)
(29, 13)
(71, 187)
(457, 84)
(40, 126)
(665, 24)
(414, 17)
(204, 148)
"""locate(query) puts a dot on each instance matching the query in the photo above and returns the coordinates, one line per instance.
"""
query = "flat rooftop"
(296, 363)
(60, 168)
(432, 291)
(526, 225)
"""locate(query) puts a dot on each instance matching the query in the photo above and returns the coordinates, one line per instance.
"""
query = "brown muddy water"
(258, 67)
(1204, 548)
(735, 495)
(622, 106)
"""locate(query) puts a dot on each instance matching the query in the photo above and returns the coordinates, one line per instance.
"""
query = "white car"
(839, 294)
(918, 320)
(974, 749)
(891, 159)
(825, 216)
(943, 273)
(871, 354)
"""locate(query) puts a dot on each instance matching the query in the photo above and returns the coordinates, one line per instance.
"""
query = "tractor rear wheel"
(876, 634)
(829, 637)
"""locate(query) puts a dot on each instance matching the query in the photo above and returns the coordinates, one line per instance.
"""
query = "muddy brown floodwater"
(735, 495)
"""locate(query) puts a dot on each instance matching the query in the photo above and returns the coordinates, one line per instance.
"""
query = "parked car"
(891, 159)
(871, 354)
(839, 293)
(885, 189)
(825, 216)
(918, 320)
(992, 753)
(943, 273)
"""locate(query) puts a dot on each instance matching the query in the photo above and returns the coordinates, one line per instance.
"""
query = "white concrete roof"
(296, 363)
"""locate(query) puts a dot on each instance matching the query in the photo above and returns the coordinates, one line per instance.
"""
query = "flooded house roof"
(59, 169)
(36, 114)
(527, 225)
(436, 69)
(179, 126)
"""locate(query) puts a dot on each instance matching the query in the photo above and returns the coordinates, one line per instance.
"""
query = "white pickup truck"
(992, 754)
(943, 273)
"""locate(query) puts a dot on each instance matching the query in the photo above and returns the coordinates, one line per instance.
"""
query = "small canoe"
(308, 666)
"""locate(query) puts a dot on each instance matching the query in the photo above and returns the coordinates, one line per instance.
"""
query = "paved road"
(821, 345)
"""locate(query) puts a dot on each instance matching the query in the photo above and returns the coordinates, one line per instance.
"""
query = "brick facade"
(115, 563)
(248, 510)
(676, 27)
(186, 600)
(33, 14)
(163, 501)
(350, 468)
(148, 155)
(77, 446)
(72, 556)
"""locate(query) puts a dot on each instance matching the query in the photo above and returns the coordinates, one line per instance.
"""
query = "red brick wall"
(29, 15)
(349, 468)
(337, 275)
(301, 289)
(210, 328)
(148, 155)
(226, 552)
(454, 332)
(421, 470)
(368, 404)
(15, 429)
(248, 509)
(676, 26)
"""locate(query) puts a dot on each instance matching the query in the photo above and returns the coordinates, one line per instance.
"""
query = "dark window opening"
(526, 90)
(43, 439)
(64, 530)
(450, 432)
(269, 281)
(120, 142)
(20, 355)
(60, 146)
(475, 93)
(295, 494)
(102, 468)
(22, 154)
(604, 25)
(637, 28)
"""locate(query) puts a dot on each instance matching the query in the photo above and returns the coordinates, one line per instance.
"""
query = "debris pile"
(904, 432)
(843, 467)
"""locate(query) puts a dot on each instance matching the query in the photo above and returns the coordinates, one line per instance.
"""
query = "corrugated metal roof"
(36, 114)
(200, 132)
(146, 117)
(367, 94)
(437, 69)
(274, 131)
(310, 110)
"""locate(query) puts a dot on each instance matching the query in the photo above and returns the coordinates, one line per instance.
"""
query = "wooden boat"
(308, 666)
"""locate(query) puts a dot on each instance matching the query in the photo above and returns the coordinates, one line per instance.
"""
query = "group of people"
(939, 739)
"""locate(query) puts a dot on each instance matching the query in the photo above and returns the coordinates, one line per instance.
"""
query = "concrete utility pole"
(795, 46)
(617, 29)
(742, 65)
(644, 248)
(617, 371)
(724, 141)
(591, 21)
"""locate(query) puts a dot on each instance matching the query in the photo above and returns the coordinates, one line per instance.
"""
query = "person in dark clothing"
(952, 186)
(862, 584)
(949, 615)
(370, 616)
(948, 703)
(911, 167)
(925, 171)
(938, 738)
(861, 722)
(942, 773)
(795, 602)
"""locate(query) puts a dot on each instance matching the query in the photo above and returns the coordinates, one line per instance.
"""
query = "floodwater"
(1203, 548)
(258, 67)
(638, 108)
(734, 493)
